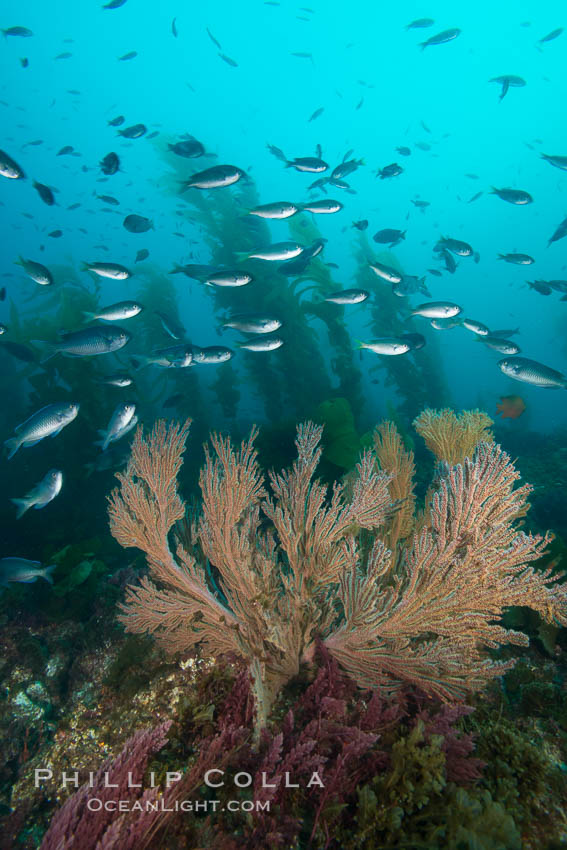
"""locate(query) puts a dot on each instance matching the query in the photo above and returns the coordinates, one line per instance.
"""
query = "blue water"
(378, 91)
(440, 96)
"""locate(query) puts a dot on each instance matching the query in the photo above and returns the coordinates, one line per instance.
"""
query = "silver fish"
(270, 344)
(551, 36)
(441, 37)
(133, 132)
(137, 223)
(173, 357)
(98, 339)
(278, 252)
(123, 431)
(345, 168)
(517, 259)
(558, 285)
(115, 312)
(114, 271)
(20, 569)
(392, 170)
(308, 164)
(437, 310)
(36, 271)
(409, 285)
(513, 196)
(455, 246)
(47, 422)
(389, 236)
(9, 168)
(119, 420)
(420, 23)
(189, 148)
(254, 324)
(503, 346)
(557, 161)
(112, 455)
(532, 372)
(324, 206)
(445, 324)
(120, 379)
(386, 272)
(348, 296)
(228, 278)
(387, 345)
(212, 354)
(214, 178)
(277, 210)
(43, 493)
(171, 326)
(450, 263)
(20, 32)
(476, 327)
(559, 233)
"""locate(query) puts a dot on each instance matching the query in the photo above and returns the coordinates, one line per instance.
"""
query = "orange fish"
(511, 406)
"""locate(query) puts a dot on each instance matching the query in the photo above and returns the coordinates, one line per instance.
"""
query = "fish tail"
(88, 316)
(501, 256)
(47, 348)
(47, 573)
(13, 444)
(22, 505)
(241, 256)
(359, 344)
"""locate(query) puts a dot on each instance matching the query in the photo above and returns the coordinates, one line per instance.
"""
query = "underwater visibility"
(283, 426)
